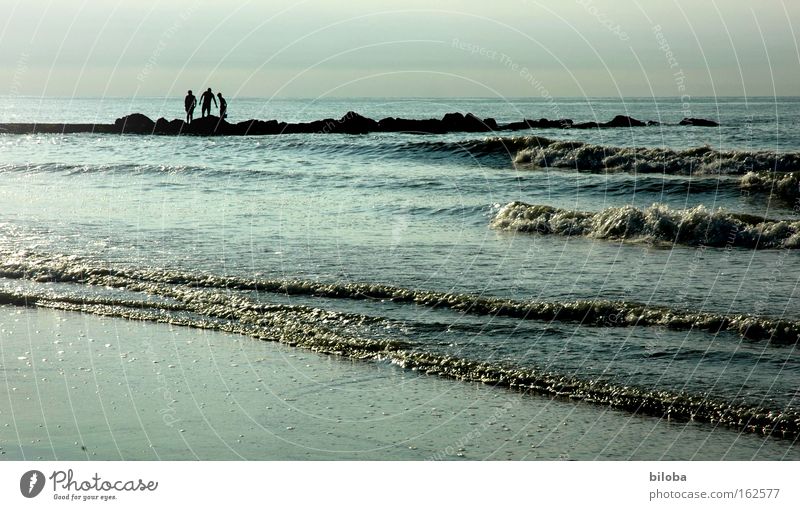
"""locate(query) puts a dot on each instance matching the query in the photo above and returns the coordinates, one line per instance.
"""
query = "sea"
(636, 269)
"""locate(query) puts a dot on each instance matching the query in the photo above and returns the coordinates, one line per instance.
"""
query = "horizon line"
(312, 98)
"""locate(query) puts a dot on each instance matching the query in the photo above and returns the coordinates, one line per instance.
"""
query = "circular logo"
(31, 483)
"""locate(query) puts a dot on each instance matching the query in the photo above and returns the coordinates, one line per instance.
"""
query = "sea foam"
(211, 302)
(694, 227)
(542, 152)
(311, 329)
(595, 313)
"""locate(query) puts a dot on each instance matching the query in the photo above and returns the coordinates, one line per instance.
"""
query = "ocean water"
(387, 247)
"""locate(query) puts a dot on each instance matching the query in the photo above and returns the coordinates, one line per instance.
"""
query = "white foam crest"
(699, 160)
(696, 226)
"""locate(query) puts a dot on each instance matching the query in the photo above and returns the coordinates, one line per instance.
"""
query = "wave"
(537, 151)
(543, 152)
(777, 174)
(596, 313)
(698, 226)
(758, 171)
(521, 151)
(111, 168)
(786, 186)
(699, 160)
(661, 185)
(311, 328)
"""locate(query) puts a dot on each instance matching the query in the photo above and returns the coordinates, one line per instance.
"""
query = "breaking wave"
(783, 185)
(698, 226)
(543, 152)
(522, 151)
(111, 169)
(699, 160)
(596, 313)
(214, 302)
(537, 151)
(312, 328)
(758, 171)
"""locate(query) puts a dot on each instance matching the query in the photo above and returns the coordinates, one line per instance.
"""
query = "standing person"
(189, 105)
(205, 101)
(223, 106)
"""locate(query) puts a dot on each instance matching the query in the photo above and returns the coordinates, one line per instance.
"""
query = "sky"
(408, 48)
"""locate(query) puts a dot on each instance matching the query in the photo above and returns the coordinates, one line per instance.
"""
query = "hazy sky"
(291, 48)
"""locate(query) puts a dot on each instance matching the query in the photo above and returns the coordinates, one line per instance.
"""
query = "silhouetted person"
(223, 106)
(205, 101)
(189, 105)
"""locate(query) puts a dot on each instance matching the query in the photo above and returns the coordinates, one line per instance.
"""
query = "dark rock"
(323, 126)
(653, 123)
(538, 124)
(165, 127)
(426, 126)
(356, 124)
(258, 127)
(351, 123)
(514, 126)
(474, 124)
(210, 125)
(698, 122)
(552, 124)
(467, 123)
(394, 125)
(161, 123)
(135, 123)
(386, 124)
(623, 121)
(453, 120)
(176, 126)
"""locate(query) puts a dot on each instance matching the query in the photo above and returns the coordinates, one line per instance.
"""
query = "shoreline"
(94, 388)
(301, 327)
(351, 123)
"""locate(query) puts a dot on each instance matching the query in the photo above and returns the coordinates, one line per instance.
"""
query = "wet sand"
(78, 386)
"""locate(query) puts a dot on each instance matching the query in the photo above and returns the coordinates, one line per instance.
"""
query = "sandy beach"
(78, 386)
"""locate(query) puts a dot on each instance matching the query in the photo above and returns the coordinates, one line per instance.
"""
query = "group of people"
(205, 100)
